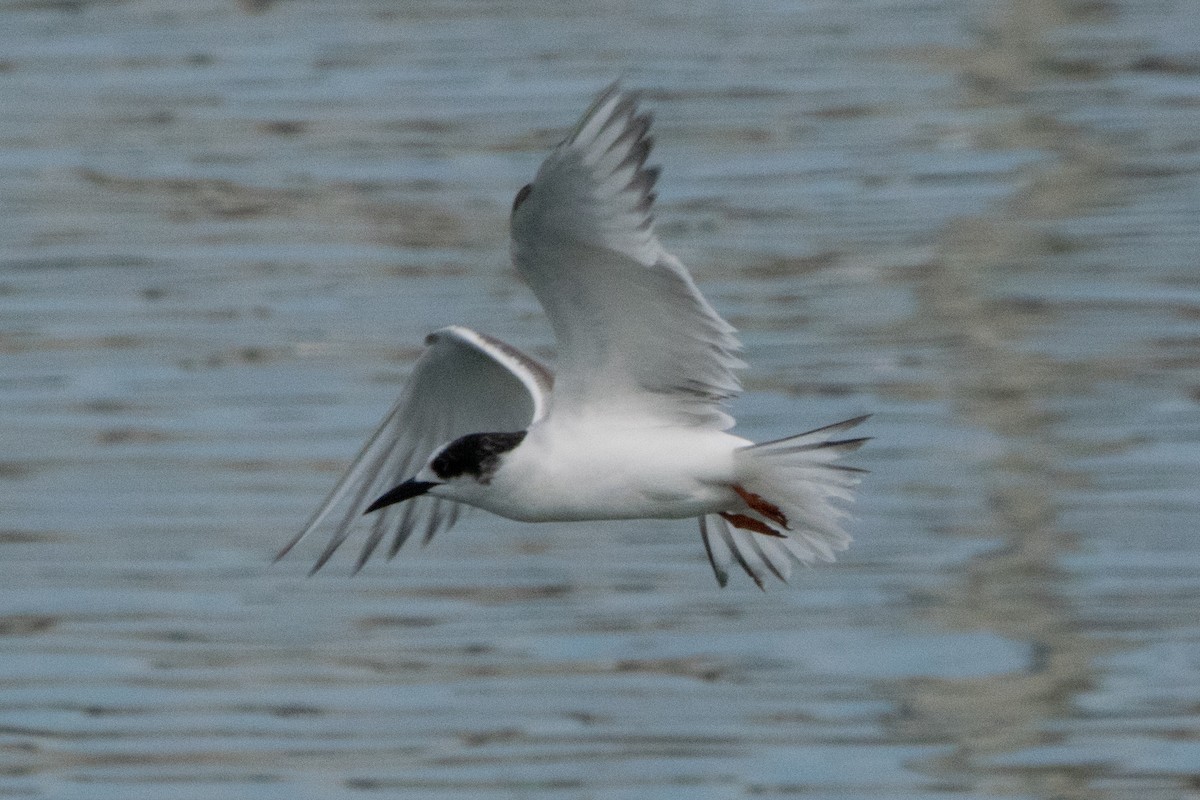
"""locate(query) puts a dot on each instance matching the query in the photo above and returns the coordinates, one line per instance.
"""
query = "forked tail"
(791, 488)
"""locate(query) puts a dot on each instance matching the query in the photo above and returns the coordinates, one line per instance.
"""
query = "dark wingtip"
(522, 196)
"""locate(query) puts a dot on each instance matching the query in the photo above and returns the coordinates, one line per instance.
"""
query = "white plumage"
(632, 424)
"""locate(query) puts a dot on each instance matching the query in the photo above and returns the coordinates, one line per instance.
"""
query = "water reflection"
(1002, 379)
(225, 237)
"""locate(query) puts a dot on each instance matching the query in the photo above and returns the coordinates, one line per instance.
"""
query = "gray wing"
(464, 382)
(635, 336)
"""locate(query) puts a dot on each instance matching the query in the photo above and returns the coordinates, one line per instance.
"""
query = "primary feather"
(464, 382)
(636, 339)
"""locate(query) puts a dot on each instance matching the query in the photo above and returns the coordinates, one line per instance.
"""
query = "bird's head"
(459, 470)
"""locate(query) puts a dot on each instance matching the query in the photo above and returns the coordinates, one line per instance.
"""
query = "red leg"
(762, 506)
(750, 524)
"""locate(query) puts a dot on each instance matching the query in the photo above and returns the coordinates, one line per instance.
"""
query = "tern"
(632, 425)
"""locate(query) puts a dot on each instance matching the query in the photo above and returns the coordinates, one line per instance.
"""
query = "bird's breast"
(600, 473)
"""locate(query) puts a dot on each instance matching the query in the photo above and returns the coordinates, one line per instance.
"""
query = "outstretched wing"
(464, 382)
(635, 336)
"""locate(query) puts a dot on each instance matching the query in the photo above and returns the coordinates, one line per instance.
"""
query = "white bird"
(633, 424)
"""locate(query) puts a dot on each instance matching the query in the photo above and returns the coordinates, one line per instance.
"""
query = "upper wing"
(635, 336)
(464, 382)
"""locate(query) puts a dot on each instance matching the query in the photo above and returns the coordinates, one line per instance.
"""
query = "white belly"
(665, 473)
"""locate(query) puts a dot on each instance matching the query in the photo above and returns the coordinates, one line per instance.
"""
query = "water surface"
(223, 237)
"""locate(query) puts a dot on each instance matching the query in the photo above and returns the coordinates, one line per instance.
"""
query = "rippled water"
(223, 235)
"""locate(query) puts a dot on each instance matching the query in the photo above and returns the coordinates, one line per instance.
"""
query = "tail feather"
(756, 554)
(796, 474)
(776, 558)
(719, 553)
(817, 435)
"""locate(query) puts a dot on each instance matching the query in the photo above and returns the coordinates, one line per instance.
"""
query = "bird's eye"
(525, 191)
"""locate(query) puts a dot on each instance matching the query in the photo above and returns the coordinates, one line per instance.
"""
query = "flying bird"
(631, 425)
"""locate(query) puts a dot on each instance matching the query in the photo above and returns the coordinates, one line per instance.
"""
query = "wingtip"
(613, 87)
(613, 102)
(606, 94)
(287, 548)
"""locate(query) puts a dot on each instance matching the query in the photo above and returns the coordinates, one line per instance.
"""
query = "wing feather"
(635, 336)
(464, 382)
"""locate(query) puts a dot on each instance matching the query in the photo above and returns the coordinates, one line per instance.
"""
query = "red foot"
(750, 524)
(762, 506)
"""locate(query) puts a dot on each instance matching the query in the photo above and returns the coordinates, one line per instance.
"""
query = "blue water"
(223, 236)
